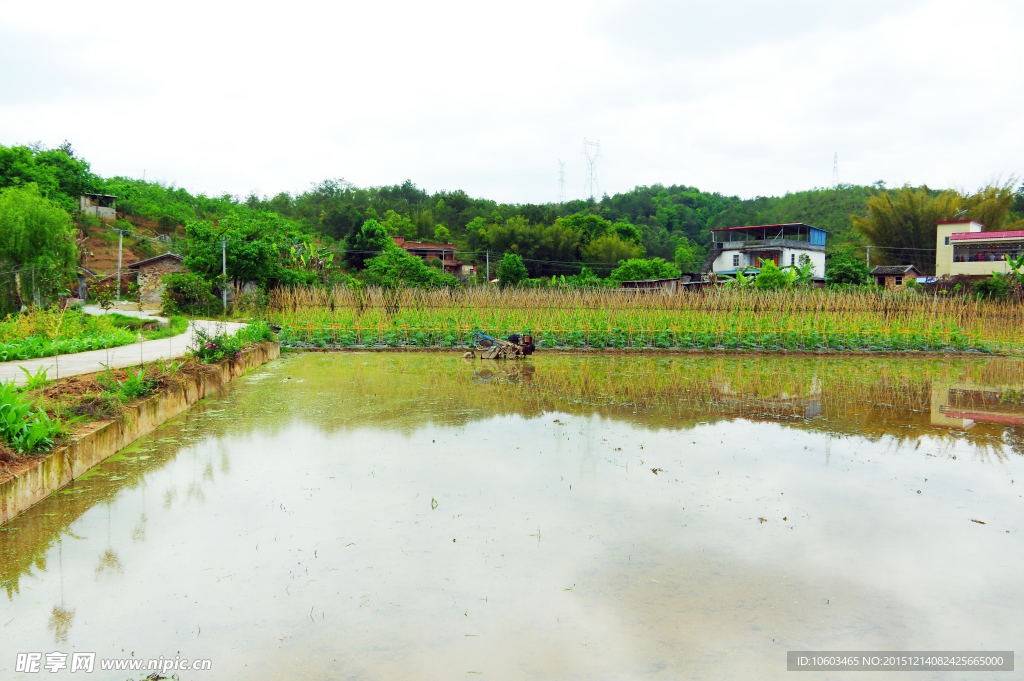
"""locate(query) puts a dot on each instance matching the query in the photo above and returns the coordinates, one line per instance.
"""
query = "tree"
(370, 240)
(902, 224)
(687, 256)
(589, 226)
(990, 205)
(36, 233)
(58, 174)
(610, 249)
(636, 268)
(627, 232)
(843, 268)
(259, 248)
(398, 225)
(441, 234)
(339, 221)
(555, 242)
(396, 268)
(511, 270)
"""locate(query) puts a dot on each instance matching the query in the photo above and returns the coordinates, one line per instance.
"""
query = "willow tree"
(38, 241)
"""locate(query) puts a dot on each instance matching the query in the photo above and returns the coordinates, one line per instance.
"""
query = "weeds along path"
(125, 355)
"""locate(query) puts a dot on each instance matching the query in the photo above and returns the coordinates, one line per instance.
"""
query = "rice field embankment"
(802, 319)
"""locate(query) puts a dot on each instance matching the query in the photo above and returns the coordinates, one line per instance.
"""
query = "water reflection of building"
(961, 404)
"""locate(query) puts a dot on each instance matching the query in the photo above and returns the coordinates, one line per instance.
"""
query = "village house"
(100, 205)
(733, 249)
(894, 276)
(962, 247)
(150, 275)
(443, 252)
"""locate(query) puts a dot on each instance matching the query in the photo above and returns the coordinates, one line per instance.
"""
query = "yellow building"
(962, 248)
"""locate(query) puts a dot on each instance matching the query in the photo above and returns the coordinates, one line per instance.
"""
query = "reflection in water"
(109, 564)
(60, 623)
(421, 516)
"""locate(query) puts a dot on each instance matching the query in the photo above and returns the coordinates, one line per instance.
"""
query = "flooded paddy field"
(380, 516)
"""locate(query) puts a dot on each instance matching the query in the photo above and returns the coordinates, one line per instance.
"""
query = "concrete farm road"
(116, 358)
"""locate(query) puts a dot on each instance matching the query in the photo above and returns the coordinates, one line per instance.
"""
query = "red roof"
(424, 244)
(785, 224)
(1010, 234)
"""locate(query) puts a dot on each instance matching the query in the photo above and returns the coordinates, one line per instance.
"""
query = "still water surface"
(418, 516)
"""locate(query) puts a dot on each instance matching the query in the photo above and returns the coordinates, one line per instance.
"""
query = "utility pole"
(488, 267)
(120, 238)
(561, 182)
(869, 257)
(591, 152)
(224, 272)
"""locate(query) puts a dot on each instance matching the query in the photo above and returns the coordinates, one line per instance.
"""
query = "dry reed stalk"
(639, 313)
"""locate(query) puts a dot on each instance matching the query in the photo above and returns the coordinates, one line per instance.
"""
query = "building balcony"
(769, 243)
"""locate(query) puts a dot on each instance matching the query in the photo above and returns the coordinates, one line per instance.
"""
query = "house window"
(899, 281)
(947, 240)
(792, 258)
(736, 260)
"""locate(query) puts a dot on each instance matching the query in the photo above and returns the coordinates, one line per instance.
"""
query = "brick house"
(894, 276)
(151, 272)
(443, 252)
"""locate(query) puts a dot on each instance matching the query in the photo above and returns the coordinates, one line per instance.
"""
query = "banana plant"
(312, 259)
(798, 275)
(1015, 275)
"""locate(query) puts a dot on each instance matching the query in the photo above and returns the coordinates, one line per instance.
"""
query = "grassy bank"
(803, 319)
(41, 413)
(44, 332)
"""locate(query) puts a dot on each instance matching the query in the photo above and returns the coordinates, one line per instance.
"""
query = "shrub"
(511, 270)
(991, 288)
(843, 268)
(216, 347)
(395, 268)
(771, 278)
(638, 268)
(186, 292)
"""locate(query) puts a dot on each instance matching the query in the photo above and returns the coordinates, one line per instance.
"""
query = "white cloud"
(739, 97)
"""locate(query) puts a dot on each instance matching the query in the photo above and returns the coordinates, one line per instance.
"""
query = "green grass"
(176, 326)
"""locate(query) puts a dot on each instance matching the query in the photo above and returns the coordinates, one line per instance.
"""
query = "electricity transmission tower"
(835, 171)
(561, 181)
(591, 152)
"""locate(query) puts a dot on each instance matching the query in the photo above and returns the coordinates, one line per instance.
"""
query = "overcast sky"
(735, 96)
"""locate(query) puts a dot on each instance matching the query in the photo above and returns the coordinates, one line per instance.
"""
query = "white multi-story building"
(737, 248)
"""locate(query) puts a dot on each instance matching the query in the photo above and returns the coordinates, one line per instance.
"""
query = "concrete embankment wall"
(100, 440)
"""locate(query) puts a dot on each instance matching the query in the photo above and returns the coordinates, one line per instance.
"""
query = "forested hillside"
(656, 221)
